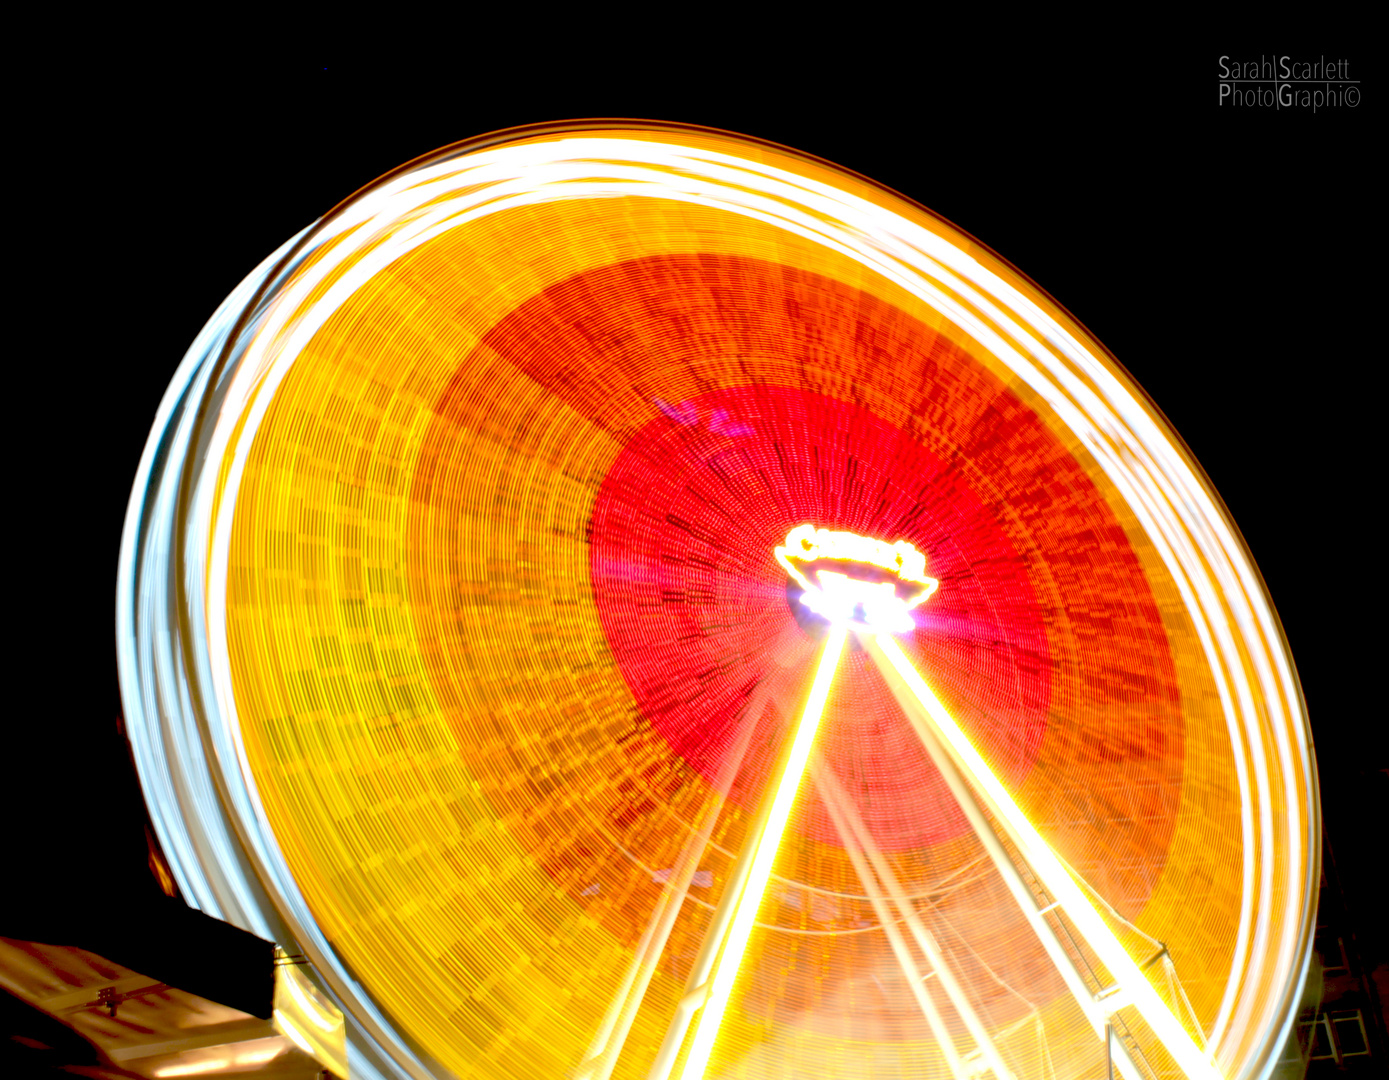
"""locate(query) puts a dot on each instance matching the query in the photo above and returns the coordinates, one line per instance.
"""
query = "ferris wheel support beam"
(878, 877)
(727, 937)
(608, 1042)
(975, 787)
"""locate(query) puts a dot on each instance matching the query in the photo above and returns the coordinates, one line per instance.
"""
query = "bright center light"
(856, 581)
(874, 604)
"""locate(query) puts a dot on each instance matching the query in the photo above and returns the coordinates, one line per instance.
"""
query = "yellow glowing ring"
(377, 701)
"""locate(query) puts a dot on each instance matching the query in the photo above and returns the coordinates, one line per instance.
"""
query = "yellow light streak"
(258, 1057)
(610, 1038)
(710, 950)
(291, 1029)
(720, 983)
(1065, 892)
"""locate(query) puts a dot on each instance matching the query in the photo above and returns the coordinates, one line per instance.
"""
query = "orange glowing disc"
(495, 667)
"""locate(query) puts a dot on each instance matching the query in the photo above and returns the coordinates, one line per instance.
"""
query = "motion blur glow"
(293, 1032)
(257, 1057)
(194, 1068)
(313, 1023)
(254, 1055)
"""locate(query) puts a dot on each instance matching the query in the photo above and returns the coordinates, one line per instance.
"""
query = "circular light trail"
(457, 654)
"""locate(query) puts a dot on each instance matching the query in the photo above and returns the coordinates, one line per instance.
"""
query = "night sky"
(1220, 255)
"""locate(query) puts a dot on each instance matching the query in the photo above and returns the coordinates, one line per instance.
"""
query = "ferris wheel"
(626, 600)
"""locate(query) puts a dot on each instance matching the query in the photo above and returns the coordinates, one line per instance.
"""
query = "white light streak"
(194, 1068)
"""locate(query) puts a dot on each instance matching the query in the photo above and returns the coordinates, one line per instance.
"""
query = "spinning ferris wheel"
(625, 600)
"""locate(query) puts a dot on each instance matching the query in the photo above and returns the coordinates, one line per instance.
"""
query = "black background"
(1222, 255)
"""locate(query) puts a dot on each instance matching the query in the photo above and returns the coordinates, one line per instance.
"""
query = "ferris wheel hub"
(857, 582)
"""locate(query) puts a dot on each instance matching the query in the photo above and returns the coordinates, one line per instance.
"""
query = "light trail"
(1130, 986)
(878, 878)
(720, 983)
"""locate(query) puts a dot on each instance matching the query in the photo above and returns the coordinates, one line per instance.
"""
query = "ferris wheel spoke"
(975, 788)
(892, 905)
(716, 967)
